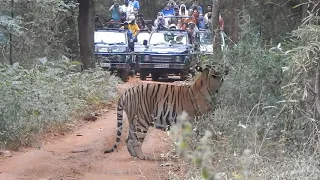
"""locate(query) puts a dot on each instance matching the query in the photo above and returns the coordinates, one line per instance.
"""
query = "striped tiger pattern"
(160, 104)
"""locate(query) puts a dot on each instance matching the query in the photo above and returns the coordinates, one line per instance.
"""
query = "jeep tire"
(143, 75)
(124, 75)
(155, 76)
(184, 75)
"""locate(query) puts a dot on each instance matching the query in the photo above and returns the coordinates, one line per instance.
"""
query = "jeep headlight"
(102, 49)
(186, 59)
(147, 58)
(177, 58)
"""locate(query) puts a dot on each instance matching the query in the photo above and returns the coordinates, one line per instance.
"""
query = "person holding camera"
(115, 12)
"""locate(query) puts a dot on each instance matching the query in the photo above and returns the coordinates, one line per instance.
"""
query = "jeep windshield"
(205, 38)
(168, 38)
(109, 37)
(142, 36)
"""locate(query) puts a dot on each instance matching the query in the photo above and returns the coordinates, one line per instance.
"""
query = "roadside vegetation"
(266, 122)
(45, 97)
(45, 87)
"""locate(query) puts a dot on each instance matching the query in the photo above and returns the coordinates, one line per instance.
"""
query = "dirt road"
(79, 155)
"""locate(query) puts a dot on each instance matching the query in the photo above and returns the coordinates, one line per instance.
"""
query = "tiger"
(160, 104)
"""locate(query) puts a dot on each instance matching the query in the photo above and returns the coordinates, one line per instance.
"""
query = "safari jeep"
(204, 41)
(167, 52)
(114, 51)
(139, 47)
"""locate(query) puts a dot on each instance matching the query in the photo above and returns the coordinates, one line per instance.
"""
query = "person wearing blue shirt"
(196, 5)
(201, 23)
(168, 10)
(115, 14)
(135, 4)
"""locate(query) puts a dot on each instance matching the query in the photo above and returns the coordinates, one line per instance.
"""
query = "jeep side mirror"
(145, 42)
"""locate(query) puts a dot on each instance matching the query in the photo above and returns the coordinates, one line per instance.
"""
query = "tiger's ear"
(199, 68)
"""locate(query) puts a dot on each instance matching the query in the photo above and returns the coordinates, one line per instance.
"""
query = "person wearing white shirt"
(127, 9)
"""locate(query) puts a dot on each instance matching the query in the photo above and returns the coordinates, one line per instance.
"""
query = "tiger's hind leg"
(130, 138)
(135, 138)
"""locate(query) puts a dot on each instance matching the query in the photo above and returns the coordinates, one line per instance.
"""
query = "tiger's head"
(211, 77)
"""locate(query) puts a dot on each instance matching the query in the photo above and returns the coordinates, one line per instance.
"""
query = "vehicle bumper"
(173, 66)
(111, 65)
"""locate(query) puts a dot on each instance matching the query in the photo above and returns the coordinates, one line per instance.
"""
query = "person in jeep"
(133, 26)
(174, 20)
(160, 23)
(192, 31)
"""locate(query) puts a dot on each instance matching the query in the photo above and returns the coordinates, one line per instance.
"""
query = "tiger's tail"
(119, 125)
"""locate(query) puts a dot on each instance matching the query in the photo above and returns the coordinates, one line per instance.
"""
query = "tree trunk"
(215, 24)
(86, 32)
(234, 29)
(215, 14)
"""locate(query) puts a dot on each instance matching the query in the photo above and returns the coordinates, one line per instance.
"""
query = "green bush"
(50, 93)
(261, 128)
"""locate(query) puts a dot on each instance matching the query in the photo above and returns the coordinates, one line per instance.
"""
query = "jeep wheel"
(155, 76)
(164, 75)
(124, 75)
(143, 75)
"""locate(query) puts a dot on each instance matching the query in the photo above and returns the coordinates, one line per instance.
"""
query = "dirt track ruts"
(82, 158)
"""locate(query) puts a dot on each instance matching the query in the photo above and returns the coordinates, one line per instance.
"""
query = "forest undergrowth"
(47, 96)
(265, 125)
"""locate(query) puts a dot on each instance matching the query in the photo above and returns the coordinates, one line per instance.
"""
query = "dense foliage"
(49, 94)
(266, 123)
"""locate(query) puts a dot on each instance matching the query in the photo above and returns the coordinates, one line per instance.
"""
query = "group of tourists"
(173, 16)
(179, 17)
(123, 12)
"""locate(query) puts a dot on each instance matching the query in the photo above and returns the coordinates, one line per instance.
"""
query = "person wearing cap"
(133, 26)
(129, 32)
